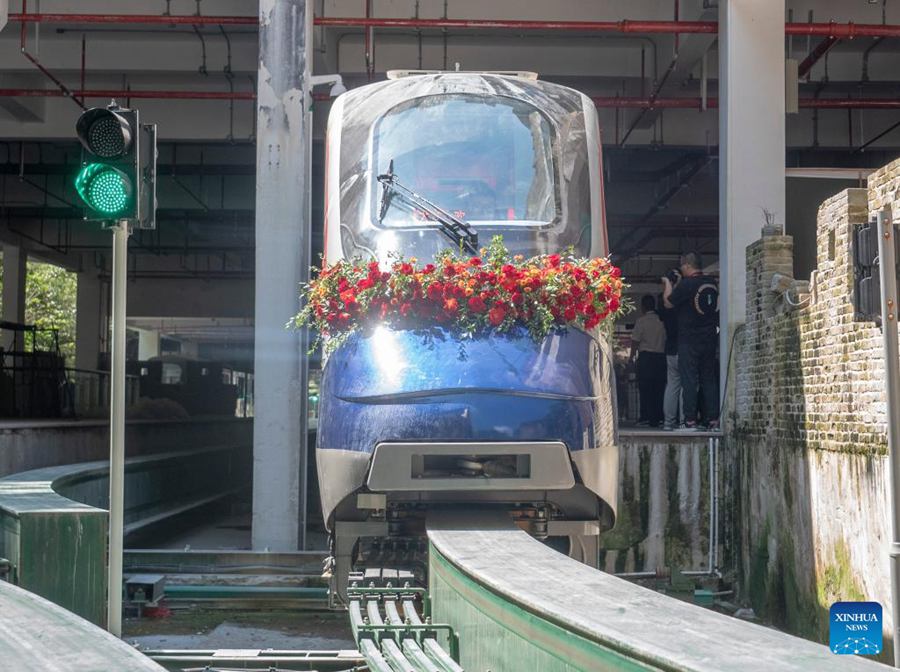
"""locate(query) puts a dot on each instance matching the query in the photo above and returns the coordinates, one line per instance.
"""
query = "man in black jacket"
(695, 299)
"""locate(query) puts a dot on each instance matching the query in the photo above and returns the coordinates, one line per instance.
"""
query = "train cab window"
(487, 161)
(171, 373)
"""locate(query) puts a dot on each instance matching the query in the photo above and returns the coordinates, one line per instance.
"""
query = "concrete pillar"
(282, 257)
(89, 320)
(751, 144)
(15, 263)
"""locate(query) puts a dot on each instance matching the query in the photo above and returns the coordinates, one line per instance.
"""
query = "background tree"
(50, 303)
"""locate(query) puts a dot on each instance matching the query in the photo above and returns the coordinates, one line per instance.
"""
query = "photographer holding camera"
(695, 298)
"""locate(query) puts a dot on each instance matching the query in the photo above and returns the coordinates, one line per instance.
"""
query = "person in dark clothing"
(695, 299)
(648, 342)
(672, 407)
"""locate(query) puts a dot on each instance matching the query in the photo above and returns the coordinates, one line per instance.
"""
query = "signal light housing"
(117, 179)
(105, 132)
(105, 189)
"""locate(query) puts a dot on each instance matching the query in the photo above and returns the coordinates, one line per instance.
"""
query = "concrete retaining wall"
(26, 445)
(663, 516)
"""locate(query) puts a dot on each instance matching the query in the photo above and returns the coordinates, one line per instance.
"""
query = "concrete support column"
(282, 260)
(15, 263)
(89, 320)
(751, 145)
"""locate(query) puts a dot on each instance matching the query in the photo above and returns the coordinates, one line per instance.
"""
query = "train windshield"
(484, 160)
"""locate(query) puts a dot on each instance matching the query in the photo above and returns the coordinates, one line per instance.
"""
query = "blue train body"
(398, 385)
(414, 419)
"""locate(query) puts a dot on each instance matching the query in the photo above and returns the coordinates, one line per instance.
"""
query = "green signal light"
(104, 188)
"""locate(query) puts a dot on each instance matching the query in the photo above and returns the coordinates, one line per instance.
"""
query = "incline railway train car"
(407, 422)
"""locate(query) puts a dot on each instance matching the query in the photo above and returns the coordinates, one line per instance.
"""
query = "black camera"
(674, 276)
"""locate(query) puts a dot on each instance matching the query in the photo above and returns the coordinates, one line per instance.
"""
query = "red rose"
(613, 304)
(496, 315)
(476, 304)
(569, 314)
(553, 260)
(435, 291)
(615, 272)
(474, 261)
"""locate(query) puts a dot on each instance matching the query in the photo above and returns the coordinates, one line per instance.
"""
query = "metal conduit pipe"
(146, 19)
(411, 648)
(389, 648)
(430, 644)
(847, 30)
(110, 93)
(600, 101)
(367, 647)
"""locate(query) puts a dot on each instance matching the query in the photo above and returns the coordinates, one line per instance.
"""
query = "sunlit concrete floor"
(226, 629)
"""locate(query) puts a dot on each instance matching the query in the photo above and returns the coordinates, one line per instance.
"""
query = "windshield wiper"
(460, 232)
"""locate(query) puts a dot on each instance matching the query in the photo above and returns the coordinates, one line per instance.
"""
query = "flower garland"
(471, 295)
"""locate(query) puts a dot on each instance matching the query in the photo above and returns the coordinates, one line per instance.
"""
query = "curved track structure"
(516, 604)
(36, 634)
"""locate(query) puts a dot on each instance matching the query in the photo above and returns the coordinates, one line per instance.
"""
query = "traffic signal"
(867, 271)
(117, 179)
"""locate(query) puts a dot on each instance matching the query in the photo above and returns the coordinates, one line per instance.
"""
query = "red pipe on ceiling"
(847, 30)
(694, 103)
(599, 101)
(624, 26)
(148, 19)
(815, 55)
(156, 94)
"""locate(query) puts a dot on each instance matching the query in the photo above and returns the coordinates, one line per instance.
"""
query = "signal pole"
(117, 184)
(889, 315)
(121, 231)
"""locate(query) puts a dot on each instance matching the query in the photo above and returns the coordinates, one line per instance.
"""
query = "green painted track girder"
(519, 605)
(498, 635)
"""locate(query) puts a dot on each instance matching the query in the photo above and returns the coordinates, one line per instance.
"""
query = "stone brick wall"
(809, 372)
(807, 435)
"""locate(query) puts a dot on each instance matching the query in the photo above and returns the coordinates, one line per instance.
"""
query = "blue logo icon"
(856, 628)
